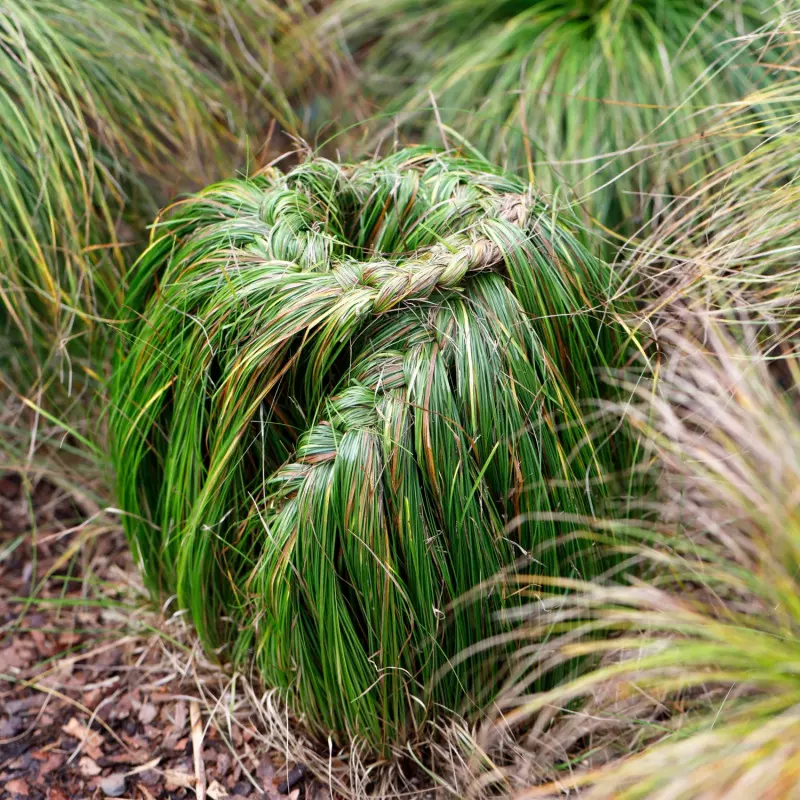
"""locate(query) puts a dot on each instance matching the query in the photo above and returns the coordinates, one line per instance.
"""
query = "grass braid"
(349, 383)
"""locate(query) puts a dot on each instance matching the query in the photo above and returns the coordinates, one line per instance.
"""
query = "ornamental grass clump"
(711, 634)
(107, 106)
(340, 387)
(588, 93)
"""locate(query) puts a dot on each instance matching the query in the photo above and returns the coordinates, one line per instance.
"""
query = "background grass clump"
(108, 108)
(585, 94)
(350, 381)
(709, 635)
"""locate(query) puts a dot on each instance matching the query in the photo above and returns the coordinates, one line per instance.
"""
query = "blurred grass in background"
(708, 633)
(584, 97)
(110, 108)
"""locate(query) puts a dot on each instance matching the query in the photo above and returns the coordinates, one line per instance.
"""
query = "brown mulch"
(95, 701)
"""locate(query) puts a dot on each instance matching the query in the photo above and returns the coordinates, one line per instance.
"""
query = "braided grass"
(348, 383)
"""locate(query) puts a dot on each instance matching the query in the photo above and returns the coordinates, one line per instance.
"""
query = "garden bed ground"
(98, 696)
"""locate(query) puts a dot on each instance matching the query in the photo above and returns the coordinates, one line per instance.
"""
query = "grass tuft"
(347, 383)
(694, 653)
(108, 107)
(591, 94)
(711, 632)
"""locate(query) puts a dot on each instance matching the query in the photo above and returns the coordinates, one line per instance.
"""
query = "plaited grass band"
(348, 383)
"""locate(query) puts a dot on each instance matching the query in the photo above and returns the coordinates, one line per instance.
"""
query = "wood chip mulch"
(94, 702)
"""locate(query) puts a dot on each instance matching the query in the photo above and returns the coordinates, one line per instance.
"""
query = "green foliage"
(348, 383)
(105, 104)
(590, 93)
